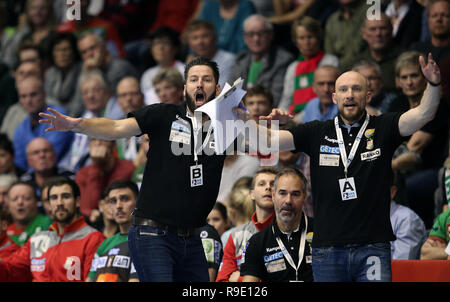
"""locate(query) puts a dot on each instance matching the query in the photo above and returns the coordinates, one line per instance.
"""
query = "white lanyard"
(347, 161)
(301, 249)
(197, 125)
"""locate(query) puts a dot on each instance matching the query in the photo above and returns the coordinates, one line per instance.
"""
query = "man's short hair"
(291, 171)
(198, 24)
(6, 180)
(267, 24)
(408, 59)
(58, 181)
(170, 75)
(30, 184)
(202, 61)
(166, 32)
(89, 75)
(310, 24)
(83, 35)
(260, 90)
(263, 170)
(123, 184)
(366, 63)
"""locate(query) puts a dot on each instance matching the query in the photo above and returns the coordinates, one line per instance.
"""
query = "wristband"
(435, 85)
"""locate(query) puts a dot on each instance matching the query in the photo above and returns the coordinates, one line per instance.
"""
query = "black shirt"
(166, 194)
(264, 259)
(362, 220)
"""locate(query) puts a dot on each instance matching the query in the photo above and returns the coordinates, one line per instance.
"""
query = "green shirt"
(255, 69)
(40, 223)
(441, 226)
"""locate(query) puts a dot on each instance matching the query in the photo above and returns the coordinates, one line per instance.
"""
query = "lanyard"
(197, 125)
(301, 249)
(347, 161)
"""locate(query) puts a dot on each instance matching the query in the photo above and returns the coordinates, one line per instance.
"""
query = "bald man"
(350, 176)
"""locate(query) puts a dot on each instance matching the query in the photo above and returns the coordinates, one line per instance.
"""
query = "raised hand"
(430, 70)
(279, 115)
(58, 121)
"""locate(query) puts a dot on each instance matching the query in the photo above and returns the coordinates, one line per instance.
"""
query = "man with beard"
(350, 175)
(62, 253)
(179, 187)
(261, 194)
(282, 252)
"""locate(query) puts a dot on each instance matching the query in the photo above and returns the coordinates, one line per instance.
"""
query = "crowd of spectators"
(124, 55)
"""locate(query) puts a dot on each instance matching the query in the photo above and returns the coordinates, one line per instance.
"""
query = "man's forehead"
(58, 189)
(120, 191)
(200, 70)
(351, 78)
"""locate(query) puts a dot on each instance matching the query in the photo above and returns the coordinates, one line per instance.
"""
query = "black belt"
(182, 232)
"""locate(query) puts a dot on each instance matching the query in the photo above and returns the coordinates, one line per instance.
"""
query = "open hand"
(278, 115)
(430, 70)
(58, 121)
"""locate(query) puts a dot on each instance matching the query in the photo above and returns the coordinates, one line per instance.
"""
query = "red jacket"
(93, 181)
(50, 257)
(7, 246)
(236, 244)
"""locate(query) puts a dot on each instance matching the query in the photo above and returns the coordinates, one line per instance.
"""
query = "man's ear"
(333, 97)
(217, 89)
(369, 97)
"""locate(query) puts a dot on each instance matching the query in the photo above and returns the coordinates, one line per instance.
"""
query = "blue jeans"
(162, 256)
(352, 262)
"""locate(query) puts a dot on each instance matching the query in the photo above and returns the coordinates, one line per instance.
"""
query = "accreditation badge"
(196, 174)
(348, 188)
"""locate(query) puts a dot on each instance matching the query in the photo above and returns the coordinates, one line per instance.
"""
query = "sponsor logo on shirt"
(121, 261)
(113, 251)
(371, 155)
(38, 265)
(328, 149)
(273, 257)
(101, 261)
(331, 140)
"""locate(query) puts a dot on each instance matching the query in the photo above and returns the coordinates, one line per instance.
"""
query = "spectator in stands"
(94, 178)
(218, 218)
(263, 63)
(406, 18)
(97, 102)
(122, 196)
(419, 159)
(408, 228)
(165, 45)
(228, 18)
(95, 55)
(130, 98)
(23, 207)
(382, 48)
(321, 107)
(438, 16)
(381, 97)
(202, 40)
(7, 166)
(307, 35)
(29, 52)
(169, 86)
(439, 237)
(261, 194)
(62, 253)
(41, 159)
(15, 113)
(38, 29)
(61, 78)
(342, 31)
(33, 99)
(6, 180)
(240, 208)
(96, 25)
(259, 102)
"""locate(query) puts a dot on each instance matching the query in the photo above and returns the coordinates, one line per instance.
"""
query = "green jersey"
(20, 236)
(441, 226)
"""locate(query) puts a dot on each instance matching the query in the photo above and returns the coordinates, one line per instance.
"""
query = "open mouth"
(350, 105)
(200, 98)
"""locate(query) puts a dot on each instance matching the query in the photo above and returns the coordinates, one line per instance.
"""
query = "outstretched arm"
(414, 119)
(102, 128)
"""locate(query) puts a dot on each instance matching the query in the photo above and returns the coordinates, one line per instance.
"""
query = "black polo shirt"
(263, 257)
(166, 194)
(365, 219)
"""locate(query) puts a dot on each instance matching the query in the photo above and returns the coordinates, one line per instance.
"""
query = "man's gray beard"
(191, 103)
